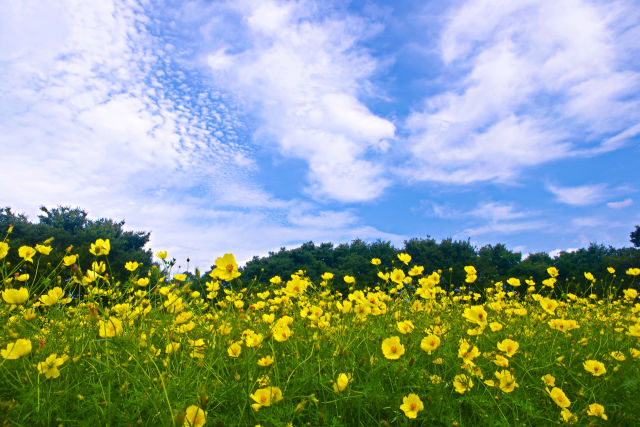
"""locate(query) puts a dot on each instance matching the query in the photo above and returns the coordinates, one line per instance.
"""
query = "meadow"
(219, 349)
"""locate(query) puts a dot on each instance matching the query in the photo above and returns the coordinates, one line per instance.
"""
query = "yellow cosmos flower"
(281, 332)
(462, 383)
(406, 258)
(596, 368)
(26, 253)
(509, 347)
(234, 349)
(195, 417)
(553, 272)
(411, 405)
(512, 281)
(143, 281)
(226, 268)
(349, 280)
(397, 276)
(4, 249)
(54, 296)
(376, 261)
(132, 265)
(265, 361)
(69, 260)
(180, 277)
(549, 305)
(110, 328)
(633, 271)
(43, 249)
(501, 361)
(611, 270)
(558, 396)
(100, 247)
(327, 276)
(476, 314)
(405, 326)
(172, 347)
(467, 352)
(589, 276)
(342, 382)
(15, 296)
(162, 254)
(430, 343)
(597, 410)
(265, 397)
(392, 348)
(630, 294)
(383, 276)
(507, 381)
(416, 270)
(549, 380)
(618, 355)
(17, 349)
(50, 366)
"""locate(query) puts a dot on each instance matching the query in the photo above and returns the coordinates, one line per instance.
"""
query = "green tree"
(635, 237)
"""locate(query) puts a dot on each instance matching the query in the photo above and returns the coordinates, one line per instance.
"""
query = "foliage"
(635, 237)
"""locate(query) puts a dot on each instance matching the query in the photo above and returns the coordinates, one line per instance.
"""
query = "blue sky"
(244, 126)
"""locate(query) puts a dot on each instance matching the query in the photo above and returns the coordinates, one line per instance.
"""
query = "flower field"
(219, 349)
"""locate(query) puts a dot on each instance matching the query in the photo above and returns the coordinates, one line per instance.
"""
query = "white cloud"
(554, 253)
(538, 79)
(303, 73)
(621, 204)
(582, 195)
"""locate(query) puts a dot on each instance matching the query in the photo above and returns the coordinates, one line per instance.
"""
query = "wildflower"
(172, 347)
(633, 271)
(549, 305)
(195, 417)
(43, 249)
(342, 382)
(411, 405)
(327, 276)
(383, 276)
(501, 361)
(618, 355)
(54, 296)
(100, 247)
(391, 348)
(4, 249)
(507, 381)
(549, 380)
(611, 270)
(558, 396)
(69, 260)
(180, 277)
(275, 280)
(349, 279)
(26, 253)
(131, 266)
(226, 268)
(467, 353)
(253, 340)
(405, 327)
(265, 361)
(508, 346)
(589, 276)
(376, 261)
(15, 296)
(630, 294)
(553, 272)
(430, 343)
(406, 258)
(142, 282)
(50, 366)
(550, 282)
(595, 367)
(17, 349)
(462, 383)
(397, 276)
(162, 254)
(281, 332)
(416, 270)
(495, 326)
(568, 416)
(597, 410)
(265, 397)
(110, 328)
(513, 282)
(234, 350)
(476, 314)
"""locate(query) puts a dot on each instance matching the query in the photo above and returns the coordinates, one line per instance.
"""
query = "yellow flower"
(342, 382)
(567, 416)
(549, 305)
(54, 296)
(162, 254)
(597, 410)
(4, 249)
(391, 348)
(470, 270)
(265, 361)
(100, 247)
(553, 272)
(172, 347)
(430, 343)
(131, 265)
(265, 397)
(69, 260)
(376, 261)
(226, 268)
(559, 397)
(462, 383)
(349, 279)
(397, 276)
(50, 366)
(476, 314)
(17, 349)
(406, 258)
(501, 361)
(549, 380)
(595, 367)
(405, 327)
(513, 282)
(110, 328)
(633, 271)
(15, 296)
(383, 276)
(507, 381)
(26, 253)
(327, 276)
(589, 276)
(180, 277)
(143, 281)
(43, 249)
(630, 294)
(98, 267)
(618, 355)
(411, 405)
(275, 280)
(416, 270)
(281, 332)
(611, 270)
(467, 353)
(234, 349)
(508, 346)
(195, 417)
